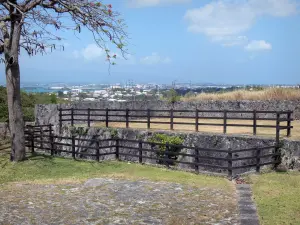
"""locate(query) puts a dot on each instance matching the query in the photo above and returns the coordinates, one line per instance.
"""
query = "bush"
(172, 96)
(163, 139)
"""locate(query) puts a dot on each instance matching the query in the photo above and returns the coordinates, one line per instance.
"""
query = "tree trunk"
(16, 122)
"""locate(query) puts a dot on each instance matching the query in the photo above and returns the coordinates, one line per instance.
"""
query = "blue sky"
(225, 41)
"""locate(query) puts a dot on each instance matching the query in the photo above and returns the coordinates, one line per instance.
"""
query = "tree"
(60, 94)
(53, 98)
(34, 25)
(173, 96)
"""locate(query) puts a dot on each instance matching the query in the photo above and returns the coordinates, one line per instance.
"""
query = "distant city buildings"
(130, 91)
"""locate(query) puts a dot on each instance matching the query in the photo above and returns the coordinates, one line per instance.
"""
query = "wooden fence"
(89, 116)
(41, 138)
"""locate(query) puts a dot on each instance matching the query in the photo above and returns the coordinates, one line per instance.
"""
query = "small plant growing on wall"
(114, 133)
(163, 139)
(78, 131)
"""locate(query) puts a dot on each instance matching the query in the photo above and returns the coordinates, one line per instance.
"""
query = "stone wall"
(46, 114)
(290, 150)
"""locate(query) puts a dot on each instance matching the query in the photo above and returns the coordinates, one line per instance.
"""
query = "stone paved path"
(247, 208)
(109, 201)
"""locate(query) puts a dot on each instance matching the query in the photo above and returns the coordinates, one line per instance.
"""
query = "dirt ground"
(261, 131)
(115, 201)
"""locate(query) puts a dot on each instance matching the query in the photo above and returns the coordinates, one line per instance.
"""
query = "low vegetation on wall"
(265, 94)
(171, 140)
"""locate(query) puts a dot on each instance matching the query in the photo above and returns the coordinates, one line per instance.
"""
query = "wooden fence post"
(148, 118)
(73, 146)
(32, 139)
(127, 119)
(97, 151)
(289, 117)
(89, 117)
(171, 119)
(196, 160)
(41, 137)
(258, 160)
(225, 122)
(140, 151)
(277, 139)
(106, 117)
(277, 128)
(117, 149)
(229, 161)
(51, 140)
(72, 117)
(197, 121)
(254, 122)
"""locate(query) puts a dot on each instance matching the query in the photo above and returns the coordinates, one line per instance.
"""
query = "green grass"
(277, 196)
(47, 169)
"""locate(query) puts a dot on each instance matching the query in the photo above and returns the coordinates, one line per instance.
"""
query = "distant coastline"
(41, 90)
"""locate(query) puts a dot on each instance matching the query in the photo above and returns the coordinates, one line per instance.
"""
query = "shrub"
(163, 139)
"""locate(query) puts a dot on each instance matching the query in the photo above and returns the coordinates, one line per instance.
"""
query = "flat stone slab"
(113, 201)
(247, 208)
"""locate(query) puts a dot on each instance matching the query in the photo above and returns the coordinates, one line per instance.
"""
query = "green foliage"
(78, 131)
(28, 103)
(113, 133)
(163, 139)
(53, 98)
(172, 96)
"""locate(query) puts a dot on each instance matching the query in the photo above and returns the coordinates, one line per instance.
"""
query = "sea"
(41, 90)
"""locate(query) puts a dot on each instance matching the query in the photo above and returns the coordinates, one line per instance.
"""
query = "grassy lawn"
(265, 132)
(43, 169)
(277, 196)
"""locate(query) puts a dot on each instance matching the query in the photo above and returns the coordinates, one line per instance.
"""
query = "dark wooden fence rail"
(109, 115)
(37, 139)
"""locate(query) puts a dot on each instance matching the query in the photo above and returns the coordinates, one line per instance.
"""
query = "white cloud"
(225, 21)
(228, 41)
(260, 45)
(155, 58)
(90, 52)
(153, 3)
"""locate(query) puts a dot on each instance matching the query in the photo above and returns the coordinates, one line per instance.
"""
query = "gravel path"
(112, 201)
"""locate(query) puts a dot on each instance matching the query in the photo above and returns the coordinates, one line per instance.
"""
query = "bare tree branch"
(41, 20)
